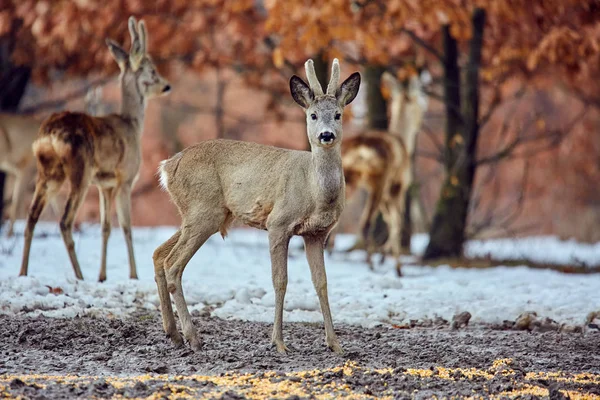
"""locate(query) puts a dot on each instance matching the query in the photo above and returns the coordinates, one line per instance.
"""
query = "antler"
(313, 81)
(335, 77)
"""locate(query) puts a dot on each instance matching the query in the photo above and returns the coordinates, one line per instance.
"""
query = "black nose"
(326, 137)
(167, 89)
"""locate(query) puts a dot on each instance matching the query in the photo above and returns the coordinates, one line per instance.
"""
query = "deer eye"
(338, 116)
(313, 116)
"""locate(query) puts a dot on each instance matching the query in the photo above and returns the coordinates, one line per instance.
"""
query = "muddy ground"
(103, 357)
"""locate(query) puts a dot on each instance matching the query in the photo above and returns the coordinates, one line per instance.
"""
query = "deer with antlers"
(380, 162)
(104, 151)
(286, 192)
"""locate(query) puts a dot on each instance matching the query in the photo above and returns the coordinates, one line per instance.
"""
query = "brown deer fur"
(286, 192)
(17, 133)
(104, 151)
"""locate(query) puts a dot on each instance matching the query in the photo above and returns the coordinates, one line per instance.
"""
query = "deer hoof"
(195, 344)
(335, 347)
(176, 338)
(281, 347)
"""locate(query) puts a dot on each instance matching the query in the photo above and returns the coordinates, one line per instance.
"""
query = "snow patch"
(233, 278)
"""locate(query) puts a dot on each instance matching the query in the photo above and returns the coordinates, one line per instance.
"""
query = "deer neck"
(397, 114)
(133, 101)
(327, 173)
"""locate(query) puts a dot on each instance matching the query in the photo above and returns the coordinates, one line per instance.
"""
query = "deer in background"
(17, 133)
(286, 192)
(381, 163)
(105, 151)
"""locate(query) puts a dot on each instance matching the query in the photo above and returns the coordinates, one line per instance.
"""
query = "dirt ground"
(132, 358)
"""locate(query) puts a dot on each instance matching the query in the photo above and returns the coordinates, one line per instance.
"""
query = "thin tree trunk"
(219, 105)
(376, 104)
(447, 233)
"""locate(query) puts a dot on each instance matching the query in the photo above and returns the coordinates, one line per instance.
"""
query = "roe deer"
(286, 192)
(381, 163)
(17, 133)
(104, 151)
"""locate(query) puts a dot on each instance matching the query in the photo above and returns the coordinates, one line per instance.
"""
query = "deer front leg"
(106, 196)
(278, 243)
(124, 215)
(316, 262)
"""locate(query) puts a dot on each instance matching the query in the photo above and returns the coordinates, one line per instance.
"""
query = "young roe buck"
(17, 133)
(381, 163)
(104, 151)
(286, 192)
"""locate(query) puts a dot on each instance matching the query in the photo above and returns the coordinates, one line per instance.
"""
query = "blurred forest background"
(509, 142)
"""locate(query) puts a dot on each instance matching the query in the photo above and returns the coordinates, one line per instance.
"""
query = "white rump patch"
(163, 178)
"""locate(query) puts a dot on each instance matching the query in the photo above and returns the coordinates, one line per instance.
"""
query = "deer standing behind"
(17, 133)
(381, 163)
(286, 192)
(104, 151)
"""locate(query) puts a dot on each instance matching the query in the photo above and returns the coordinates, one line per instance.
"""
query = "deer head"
(137, 66)
(324, 110)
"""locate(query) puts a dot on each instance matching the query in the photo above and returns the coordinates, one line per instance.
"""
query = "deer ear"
(301, 92)
(348, 89)
(136, 54)
(118, 53)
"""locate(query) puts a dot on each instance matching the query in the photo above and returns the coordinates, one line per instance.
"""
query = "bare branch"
(415, 38)
(497, 101)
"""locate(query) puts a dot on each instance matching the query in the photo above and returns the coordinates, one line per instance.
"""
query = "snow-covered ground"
(234, 277)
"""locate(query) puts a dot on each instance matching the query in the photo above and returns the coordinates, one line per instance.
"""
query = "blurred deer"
(17, 133)
(104, 151)
(286, 192)
(380, 162)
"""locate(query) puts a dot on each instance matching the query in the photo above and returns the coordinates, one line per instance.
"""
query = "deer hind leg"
(79, 178)
(394, 238)
(314, 255)
(45, 191)
(386, 214)
(193, 235)
(124, 215)
(166, 309)
(17, 198)
(360, 242)
(368, 231)
(106, 196)
(397, 221)
(279, 243)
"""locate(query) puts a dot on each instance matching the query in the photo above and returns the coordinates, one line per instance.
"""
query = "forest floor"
(131, 357)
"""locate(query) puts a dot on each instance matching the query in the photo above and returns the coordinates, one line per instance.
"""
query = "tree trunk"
(13, 81)
(447, 233)
(376, 104)
(219, 105)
